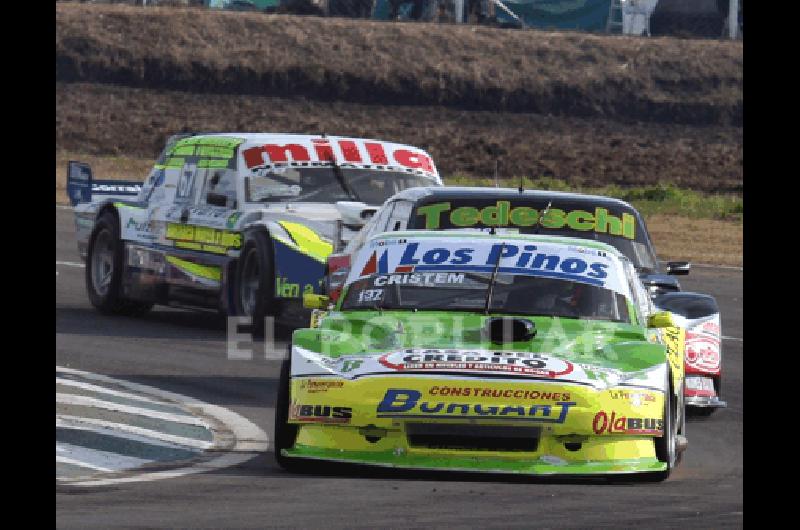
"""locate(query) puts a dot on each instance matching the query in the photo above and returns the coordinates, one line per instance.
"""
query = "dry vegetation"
(660, 80)
(104, 119)
(697, 240)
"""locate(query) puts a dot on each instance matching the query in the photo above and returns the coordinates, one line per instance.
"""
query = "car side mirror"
(355, 213)
(678, 268)
(660, 319)
(315, 301)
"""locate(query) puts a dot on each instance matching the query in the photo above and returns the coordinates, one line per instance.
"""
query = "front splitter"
(542, 465)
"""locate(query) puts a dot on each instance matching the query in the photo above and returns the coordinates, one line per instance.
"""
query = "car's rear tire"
(255, 281)
(285, 433)
(104, 268)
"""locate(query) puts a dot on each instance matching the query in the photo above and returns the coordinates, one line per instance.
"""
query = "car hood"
(365, 343)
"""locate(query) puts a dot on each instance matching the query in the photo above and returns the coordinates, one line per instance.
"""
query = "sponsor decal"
(422, 278)
(140, 230)
(233, 219)
(214, 141)
(204, 235)
(517, 371)
(375, 264)
(700, 386)
(503, 214)
(697, 386)
(320, 413)
(635, 398)
(516, 393)
(186, 181)
(215, 164)
(260, 192)
(674, 340)
(348, 365)
(344, 364)
(317, 316)
(520, 363)
(604, 423)
(702, 352)
(387, 242)
(313, 386)
(116, 188)
(711, 327)
(600, 373)
(286, 289)
(406, 403)
(200, 215)
(197, 272)
(343, 151)
(527, 259)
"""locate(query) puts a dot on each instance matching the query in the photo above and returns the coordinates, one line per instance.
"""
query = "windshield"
(320, 184)
(639, 253)
(467, 291)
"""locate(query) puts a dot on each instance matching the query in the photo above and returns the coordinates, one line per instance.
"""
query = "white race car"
(242, 223)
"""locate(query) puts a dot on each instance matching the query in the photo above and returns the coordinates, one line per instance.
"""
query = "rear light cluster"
(338, 268)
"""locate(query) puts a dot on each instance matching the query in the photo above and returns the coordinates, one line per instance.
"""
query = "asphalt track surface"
(185, 352)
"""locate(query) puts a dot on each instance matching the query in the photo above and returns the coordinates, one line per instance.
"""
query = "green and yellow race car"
(484, 352)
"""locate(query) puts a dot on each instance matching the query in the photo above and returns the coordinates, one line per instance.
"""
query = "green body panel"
(484, 464)
(605, 344)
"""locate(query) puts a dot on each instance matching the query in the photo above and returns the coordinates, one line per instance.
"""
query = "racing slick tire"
(285, 432)
(104, 265)
(255, 281)
(667, 445)
(681, 415)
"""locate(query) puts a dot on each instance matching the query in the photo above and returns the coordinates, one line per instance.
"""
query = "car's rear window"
(619, 227)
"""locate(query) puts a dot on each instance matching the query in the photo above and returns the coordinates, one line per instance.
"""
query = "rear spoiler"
(81, 186)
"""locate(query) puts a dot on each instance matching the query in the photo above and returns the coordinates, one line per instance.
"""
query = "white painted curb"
(250, 439)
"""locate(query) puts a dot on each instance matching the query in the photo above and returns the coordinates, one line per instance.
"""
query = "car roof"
(479, 234)
(476, 192)
(278, 137)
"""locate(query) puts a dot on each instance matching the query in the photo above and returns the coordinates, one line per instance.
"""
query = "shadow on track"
(160, 323)
(264, 465)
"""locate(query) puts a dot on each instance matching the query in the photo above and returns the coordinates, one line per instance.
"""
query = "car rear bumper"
(705, 402)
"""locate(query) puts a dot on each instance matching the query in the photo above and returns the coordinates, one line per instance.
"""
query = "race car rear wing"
(81, 186)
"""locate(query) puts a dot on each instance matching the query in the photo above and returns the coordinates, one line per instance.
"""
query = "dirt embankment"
(660, 80)
(107, 120)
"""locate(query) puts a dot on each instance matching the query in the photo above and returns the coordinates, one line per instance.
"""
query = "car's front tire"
(666, 446)
(285, 433)
(104, 267)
